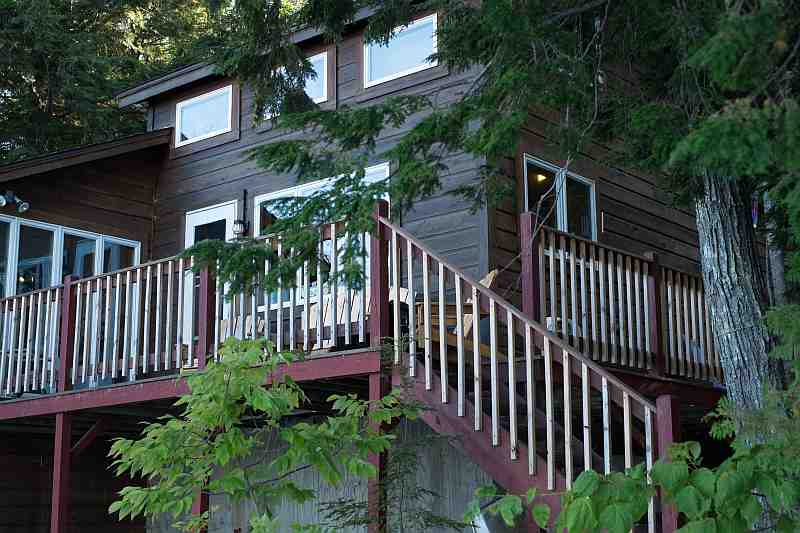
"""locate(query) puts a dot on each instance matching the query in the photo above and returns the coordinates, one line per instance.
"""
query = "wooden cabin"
(543, 345)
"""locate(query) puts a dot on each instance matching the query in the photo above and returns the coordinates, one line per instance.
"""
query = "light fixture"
(240, 225)
(10, 198)
(540, 178)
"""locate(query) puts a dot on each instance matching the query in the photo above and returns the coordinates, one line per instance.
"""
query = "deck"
(567, 383)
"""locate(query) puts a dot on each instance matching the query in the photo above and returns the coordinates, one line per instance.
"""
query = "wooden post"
(67, 338)
(60, 498)
(205, 317)
(200, 505)
(379, 280)
(376, 490)
(531, 284)
(656, 310)
(668, 426)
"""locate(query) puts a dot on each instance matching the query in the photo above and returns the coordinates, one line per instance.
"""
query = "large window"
(35, 255)
(317, 87)
(561, 199)
(204, 116)
(267, 212)
(407, 52)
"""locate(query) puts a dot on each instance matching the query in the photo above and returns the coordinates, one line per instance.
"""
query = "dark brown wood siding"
(221, 170)
(634, 213)
(111, 196)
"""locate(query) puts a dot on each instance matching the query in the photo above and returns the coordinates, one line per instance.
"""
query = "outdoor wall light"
(240, 225)
(10, 198)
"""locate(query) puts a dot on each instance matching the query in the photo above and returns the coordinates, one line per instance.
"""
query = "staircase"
(527, 407)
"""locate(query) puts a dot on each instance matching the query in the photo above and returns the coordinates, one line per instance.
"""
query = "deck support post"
(60, 498)
(655, 311)
(200, 504)
(531, 284)
(67, 334)
(379, 280)
(668, 424)
(205, 317)
(379, 387)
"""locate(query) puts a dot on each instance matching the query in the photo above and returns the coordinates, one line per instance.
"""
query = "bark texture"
(776, 258)
(736, 288)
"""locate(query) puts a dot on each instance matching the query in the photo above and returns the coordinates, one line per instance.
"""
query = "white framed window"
(406, 53)
(564, 200)
(204, 116)
(264, 215)
(35, 255)
(317, 87)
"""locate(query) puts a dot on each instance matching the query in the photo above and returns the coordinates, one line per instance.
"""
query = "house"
(542, 346)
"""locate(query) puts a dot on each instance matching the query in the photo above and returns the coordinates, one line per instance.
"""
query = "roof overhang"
(199, 71)
(84, 154)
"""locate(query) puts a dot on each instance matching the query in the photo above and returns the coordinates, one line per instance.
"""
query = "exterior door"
(214, 222)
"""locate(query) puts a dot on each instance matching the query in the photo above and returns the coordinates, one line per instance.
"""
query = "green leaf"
(691, 502)
(530, 495)
(707, 525)
(671, 476)
(616, 518)
(541, 515)
(705, 481)
(751, 510)
(580, 516)
(586, 484)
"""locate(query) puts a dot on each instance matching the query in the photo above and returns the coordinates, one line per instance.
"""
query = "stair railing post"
(379, 279)
(531, 284)
(67, 337)
(668, 428)
(656, 311)
(205, 317)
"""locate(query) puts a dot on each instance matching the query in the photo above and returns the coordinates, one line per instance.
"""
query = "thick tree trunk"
(775, 259)
(736, 289)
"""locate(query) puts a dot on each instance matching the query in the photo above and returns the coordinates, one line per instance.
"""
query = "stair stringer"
(496, 461)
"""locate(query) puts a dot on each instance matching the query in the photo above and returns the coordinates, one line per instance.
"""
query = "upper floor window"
(563, 200)
(317, 87)
(204, 116)
(407, 52)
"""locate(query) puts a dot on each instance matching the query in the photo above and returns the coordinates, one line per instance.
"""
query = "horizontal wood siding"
(112, 196)
(221, 171)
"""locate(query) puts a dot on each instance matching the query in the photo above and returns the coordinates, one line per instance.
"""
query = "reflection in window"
(117, 256)
(5, 229)
(211, 231)
(541, 194)
(78, 258)
(35, 263)
(579, 208)
(204, 116)
(317, 87)
(406, 52)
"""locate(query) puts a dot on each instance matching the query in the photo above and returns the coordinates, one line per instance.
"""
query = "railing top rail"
(154, 262)
(30, 293)
(598, 244)
(489, 293)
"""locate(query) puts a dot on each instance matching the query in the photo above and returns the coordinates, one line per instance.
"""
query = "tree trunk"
(775, 259)
(736, 291)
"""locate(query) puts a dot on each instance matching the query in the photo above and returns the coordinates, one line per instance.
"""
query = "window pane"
(117, 256)
(408, 50)
(316, 87)
(78, 256)
(5, 227)
(205, 116)
(541, 185)
(35, 262)
(579, 208)
(211, 231)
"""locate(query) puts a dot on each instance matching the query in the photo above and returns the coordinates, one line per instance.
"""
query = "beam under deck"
(331, 366)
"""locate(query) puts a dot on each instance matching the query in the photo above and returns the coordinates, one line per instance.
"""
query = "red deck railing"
(619, 308)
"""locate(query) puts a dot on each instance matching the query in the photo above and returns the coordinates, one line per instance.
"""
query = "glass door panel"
(35, 259)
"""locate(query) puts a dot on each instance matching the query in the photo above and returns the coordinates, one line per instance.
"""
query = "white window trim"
(323, 76)
(227, 89)
(561, 197)
(399, 30)
(57, 254)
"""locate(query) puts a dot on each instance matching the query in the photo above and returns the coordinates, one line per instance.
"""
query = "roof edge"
(198, 71)
(84, 154)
